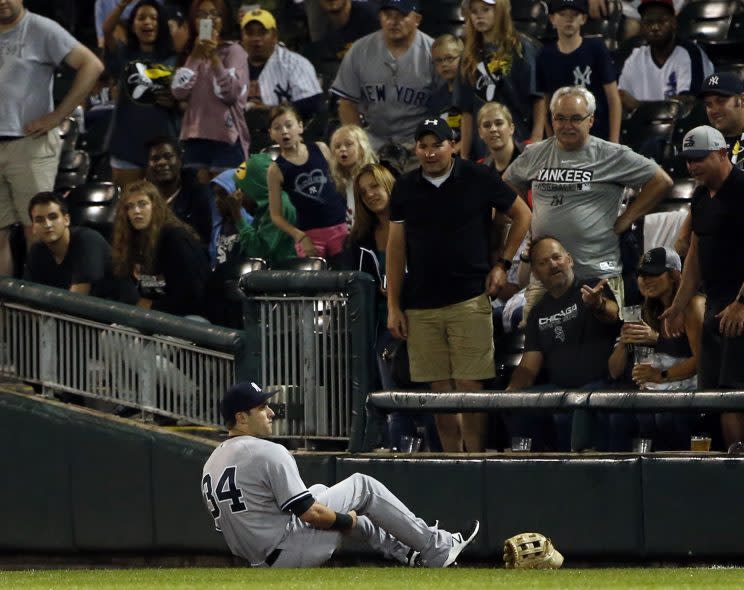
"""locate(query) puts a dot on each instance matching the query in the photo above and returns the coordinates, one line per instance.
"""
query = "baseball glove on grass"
(531, 551)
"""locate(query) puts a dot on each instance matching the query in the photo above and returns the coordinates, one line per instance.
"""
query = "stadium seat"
(607, 28)
(681, 190)
(508, 351)
(651, 123)
(691, 115)
(308, 263)
(709, 20)
(69, 134)
(531, 18)
(232, 291)
(442, 16)
(94, 205)
(73, 170)
(258, 125)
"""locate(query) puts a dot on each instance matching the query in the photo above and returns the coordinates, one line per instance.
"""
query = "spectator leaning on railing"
(570, 335)
(441, 216)
(74, 258)
(716, 258)
(577, 183)
(31, 47)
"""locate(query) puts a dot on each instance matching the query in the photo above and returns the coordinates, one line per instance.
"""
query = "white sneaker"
(414, 558)
(460, 541)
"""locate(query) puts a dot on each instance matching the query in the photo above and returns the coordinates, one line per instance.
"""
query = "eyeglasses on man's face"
(573, 119)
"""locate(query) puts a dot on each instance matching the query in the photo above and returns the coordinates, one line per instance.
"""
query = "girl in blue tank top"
(303, 172)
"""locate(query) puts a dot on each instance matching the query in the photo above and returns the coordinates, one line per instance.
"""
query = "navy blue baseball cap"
(723, 83)
(402, 6)
(242, 397)
(437, 127)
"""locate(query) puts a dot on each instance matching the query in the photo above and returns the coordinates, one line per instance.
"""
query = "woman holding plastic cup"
(672, 362)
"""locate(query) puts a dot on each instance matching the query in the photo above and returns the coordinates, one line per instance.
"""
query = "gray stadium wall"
(78, 481)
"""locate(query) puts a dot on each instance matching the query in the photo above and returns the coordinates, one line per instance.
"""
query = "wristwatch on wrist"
(507, 264)
(740, 298)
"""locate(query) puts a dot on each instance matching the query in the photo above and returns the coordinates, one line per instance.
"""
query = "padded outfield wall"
(76, 481)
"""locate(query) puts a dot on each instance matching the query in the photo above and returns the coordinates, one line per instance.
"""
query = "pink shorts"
(328, 241)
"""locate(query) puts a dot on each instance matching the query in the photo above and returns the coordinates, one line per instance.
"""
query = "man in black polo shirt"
(570, 335)
(716, 258)
(722, 94)
(441, 216)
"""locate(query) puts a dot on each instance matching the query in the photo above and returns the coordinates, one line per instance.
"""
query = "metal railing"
(315, 334)
(147, 360)
(305, 355)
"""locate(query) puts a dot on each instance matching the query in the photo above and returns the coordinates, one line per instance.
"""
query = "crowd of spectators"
(539, 234)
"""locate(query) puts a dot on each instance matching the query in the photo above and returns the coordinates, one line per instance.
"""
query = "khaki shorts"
(27, 166)
(535, 291)
(452, 342)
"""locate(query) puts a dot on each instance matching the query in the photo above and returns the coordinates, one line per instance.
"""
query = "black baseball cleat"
(460, 541)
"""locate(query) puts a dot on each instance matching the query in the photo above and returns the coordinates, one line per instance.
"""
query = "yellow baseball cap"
(262, 16)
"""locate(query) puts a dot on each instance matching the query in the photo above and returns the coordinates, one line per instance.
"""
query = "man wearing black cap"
(722, 94)
(268, 516)
(665, 66)
(388, 76)
(441, 215)
(716, 258)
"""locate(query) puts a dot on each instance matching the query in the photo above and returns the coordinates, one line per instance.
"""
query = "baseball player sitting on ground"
(269, 517)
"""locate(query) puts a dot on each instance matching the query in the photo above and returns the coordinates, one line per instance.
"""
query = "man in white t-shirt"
(601, 8)
(31, 47)
(664, 67)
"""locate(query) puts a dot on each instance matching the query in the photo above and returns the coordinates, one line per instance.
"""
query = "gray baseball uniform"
(250, 486)
(287, 77)
(392, 93)
(576, 197)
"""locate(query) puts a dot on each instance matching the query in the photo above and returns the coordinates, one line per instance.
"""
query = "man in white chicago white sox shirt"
(269, 517)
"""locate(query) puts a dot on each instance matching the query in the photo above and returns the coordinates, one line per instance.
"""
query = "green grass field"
(372, 578)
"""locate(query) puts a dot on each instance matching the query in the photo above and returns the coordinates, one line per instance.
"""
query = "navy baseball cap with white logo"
(579, 5)
(402, 6)
(242, 397)
(723, 83)
(437, 127)
(701, 141)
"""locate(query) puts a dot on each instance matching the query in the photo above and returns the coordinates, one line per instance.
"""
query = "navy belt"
(272, 557)
(10, 137)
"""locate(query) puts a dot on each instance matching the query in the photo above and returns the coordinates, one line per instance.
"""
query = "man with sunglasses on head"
(715, 259)
(577, 183)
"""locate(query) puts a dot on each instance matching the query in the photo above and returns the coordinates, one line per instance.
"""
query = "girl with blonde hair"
(350, 151)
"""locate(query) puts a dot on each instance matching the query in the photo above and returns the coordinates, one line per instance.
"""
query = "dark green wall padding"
(77, 481)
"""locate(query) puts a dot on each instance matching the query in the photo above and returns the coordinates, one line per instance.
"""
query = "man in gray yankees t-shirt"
(577, 182)
(267, 515)
(388, 76)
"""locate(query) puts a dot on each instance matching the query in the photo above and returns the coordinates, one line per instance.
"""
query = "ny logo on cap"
(431, 122)
(713, 81)
(647, 257)
(689, 142)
